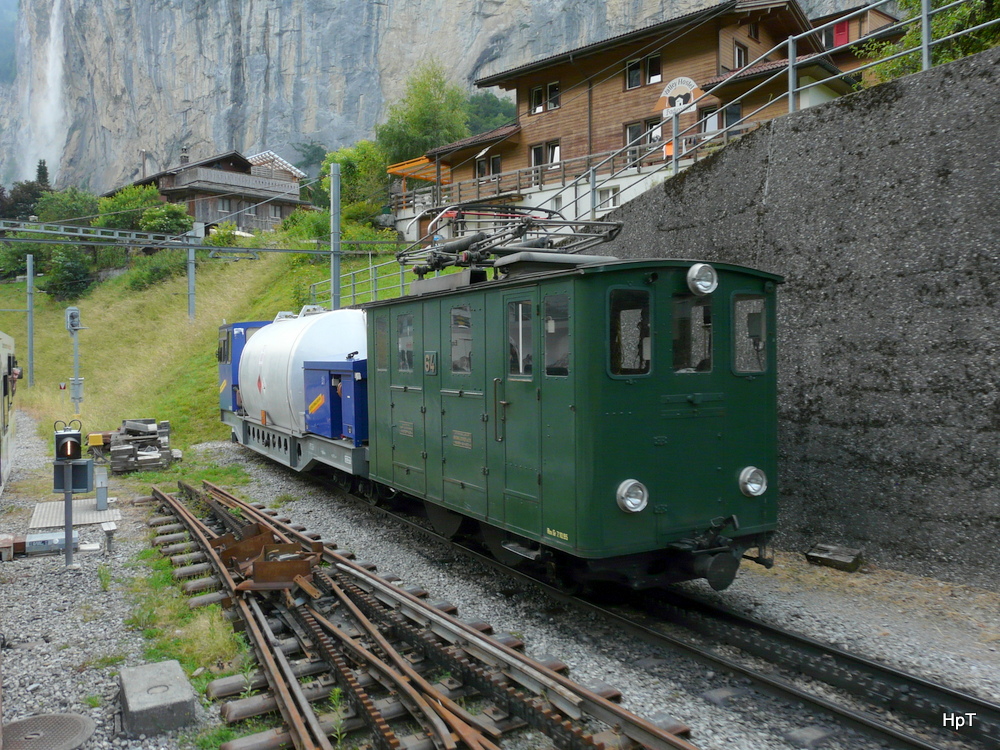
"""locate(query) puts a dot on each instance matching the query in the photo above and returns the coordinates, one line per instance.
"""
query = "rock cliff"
(98, 81)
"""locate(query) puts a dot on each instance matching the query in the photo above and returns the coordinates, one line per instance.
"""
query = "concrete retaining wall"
(882, 209)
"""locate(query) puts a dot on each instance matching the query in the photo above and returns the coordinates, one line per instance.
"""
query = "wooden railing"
(236, 180)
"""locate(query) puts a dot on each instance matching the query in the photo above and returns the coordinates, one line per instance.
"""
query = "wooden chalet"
(254, 192)
(582, 106)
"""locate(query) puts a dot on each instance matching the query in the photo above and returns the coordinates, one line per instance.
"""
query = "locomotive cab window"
(630, 338)
(461, 340)
(224, 353)
(692, 333)
(750, 331)
(382, 342)
(519, 337)
(404, 332)
(556, 335)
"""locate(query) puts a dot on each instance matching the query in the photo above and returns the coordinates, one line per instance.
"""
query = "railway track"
(885, 703)
(341, 650)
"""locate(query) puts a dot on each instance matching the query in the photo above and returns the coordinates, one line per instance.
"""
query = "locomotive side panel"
(461, 361)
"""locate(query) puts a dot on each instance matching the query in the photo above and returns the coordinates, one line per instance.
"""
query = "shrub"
(68, 276)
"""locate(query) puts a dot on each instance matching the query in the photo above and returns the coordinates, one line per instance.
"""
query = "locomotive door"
(515, 416)
(409, 451)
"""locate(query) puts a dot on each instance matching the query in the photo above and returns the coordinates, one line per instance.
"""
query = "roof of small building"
(269, 157)
(767, 67)
(490, 136)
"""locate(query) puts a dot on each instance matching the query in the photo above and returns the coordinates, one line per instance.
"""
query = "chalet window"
(251, 209)
(537, 156)
(654, 130)
(741, 56)
(713, 118)
(552, 95)
(275, 211)
(224, 205)
(536, 103)
(653, 72)
(556, 203)
(633, 133)
(633, 74)
(487, 168)
(552, 152)
(607, 198)
(753, 31)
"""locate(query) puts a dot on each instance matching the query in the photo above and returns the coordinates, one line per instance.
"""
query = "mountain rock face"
(100, 81)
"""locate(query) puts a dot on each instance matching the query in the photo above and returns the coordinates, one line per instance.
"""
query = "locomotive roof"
(611, 263)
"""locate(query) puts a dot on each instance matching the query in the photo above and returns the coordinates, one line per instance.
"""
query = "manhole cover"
(48, 732)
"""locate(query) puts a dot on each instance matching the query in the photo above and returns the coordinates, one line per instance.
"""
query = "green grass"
(104, 576)
(140, 355)
(196, 638)
(94, 701)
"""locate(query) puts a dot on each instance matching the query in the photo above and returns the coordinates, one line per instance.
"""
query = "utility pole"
(334, 236)
(73, 325)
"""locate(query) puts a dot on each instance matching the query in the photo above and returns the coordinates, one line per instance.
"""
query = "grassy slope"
(141, 356)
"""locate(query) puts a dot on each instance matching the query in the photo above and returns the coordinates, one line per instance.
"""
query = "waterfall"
(44, 127)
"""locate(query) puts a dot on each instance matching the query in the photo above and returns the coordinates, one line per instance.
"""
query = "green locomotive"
(611, 418)
(614, 421)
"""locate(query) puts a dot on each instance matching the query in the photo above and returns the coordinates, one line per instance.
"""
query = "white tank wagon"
(272, 419)
(272, 362)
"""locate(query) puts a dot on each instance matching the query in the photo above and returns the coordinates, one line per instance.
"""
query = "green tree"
(166, 218)
(224, 235)
(969, 14)
(433, 112)
(362, 173)
(312, 154)
(69, 206)
(124, 209)
(68, 276)
(488, 111)
(42, 174)
(14, 255)
(22, 199)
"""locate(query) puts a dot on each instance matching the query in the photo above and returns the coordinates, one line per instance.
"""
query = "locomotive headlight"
(702, 279)
(632, 496)
(753, 482)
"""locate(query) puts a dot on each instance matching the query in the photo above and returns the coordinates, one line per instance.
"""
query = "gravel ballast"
(66, 637)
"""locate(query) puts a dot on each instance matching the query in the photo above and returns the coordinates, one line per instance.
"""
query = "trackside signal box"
(68, 441)
(68, 444)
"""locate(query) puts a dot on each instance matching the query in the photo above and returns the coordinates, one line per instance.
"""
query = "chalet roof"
(265, 158)
(764, 68)
(709, 9)
(793, 15)
(235, 156)
(490, 136)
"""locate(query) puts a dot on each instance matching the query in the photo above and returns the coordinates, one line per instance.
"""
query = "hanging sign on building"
(677, 97)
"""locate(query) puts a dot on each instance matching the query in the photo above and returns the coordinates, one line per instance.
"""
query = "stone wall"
(882, 210)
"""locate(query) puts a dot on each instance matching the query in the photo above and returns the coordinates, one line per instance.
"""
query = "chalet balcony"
(571, 177)
(216, 180)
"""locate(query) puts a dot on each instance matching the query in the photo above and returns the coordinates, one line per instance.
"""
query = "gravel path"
(59, 626)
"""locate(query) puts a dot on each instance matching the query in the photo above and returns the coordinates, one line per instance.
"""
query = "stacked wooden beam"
(141, 445)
